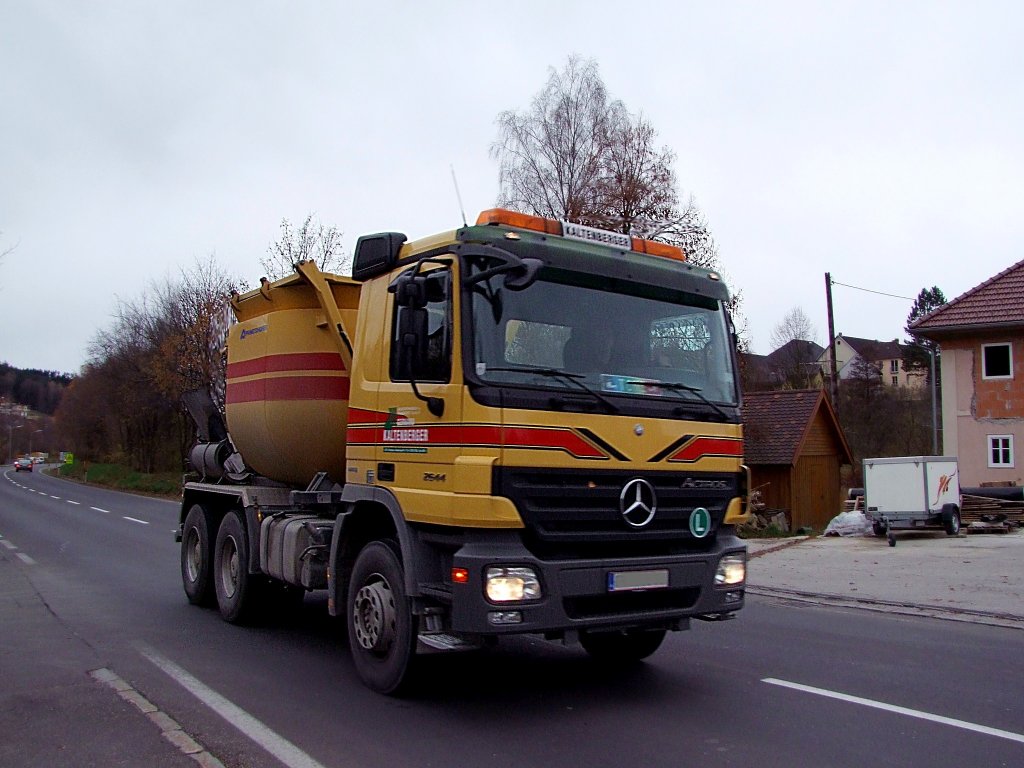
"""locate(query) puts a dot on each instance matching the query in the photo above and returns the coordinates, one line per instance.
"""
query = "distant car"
(23, 464)
(37, 459)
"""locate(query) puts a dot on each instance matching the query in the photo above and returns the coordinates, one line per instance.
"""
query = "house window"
(894, 367)
(1000, 450)
(996, 361)
(895, 381)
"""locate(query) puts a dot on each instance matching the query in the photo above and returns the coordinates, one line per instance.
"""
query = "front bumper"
(576, 594)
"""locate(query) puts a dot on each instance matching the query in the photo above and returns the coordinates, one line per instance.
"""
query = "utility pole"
(833, 376)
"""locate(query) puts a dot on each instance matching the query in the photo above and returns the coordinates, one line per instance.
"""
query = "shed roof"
(775, 425)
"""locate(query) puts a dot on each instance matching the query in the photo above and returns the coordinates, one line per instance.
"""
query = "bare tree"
(579, 156)
(310, 242)
(155, 350)
(795, 350)
(6, 251)
(794, 325)
(551, 157)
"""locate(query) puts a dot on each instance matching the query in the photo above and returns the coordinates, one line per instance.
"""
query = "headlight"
(507, 585)
(732, 569)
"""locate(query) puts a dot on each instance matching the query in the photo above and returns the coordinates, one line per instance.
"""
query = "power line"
(868, 290)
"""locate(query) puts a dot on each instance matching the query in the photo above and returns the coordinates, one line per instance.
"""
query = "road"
(781, 685)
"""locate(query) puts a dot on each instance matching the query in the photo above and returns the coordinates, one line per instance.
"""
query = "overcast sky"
(881, 142)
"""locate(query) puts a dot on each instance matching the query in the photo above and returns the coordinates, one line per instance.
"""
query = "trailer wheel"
(624, 645)
(234, 585)
(197, 558)
(878, 529)
(951, 519)
(381, 626)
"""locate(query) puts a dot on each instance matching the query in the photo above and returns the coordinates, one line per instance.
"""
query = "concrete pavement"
(976, 577)
(60, 703)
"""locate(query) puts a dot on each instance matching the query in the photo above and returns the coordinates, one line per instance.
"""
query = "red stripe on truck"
(708, 446)
(294, 361)
(288, 388)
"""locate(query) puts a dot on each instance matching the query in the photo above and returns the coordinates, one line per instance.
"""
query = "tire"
(951, 521)
(878, 529)
(625, 645)
(197, 558)
(382, 629)
(234, 585)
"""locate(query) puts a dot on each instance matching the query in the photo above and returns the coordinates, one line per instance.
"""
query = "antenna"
(458, 197)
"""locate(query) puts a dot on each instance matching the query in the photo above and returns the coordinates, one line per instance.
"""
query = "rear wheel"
(624, 645)
(381, 626)
(197, 558)
(234, 585)
(878, 529)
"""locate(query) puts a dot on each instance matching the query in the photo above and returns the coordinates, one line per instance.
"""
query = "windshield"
(623, 339)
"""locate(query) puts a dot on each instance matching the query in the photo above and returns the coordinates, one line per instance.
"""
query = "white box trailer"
(912, 492)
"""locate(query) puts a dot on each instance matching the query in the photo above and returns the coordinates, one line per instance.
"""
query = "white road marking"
(899, 710)
(136, 520)
(7, 544)
(74, 502)
(104, 511)
(58, 498)
(24, 558)
(278, 746)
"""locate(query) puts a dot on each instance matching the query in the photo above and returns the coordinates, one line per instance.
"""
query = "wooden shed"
(794, 446)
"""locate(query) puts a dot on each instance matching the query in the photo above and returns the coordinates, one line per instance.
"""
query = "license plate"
(627, 581)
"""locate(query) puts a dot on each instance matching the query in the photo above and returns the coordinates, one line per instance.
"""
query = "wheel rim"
(954, 524)
(194, 554)
(374, 615)
(229, 567)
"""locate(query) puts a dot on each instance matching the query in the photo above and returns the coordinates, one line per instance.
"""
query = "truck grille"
(576, 512)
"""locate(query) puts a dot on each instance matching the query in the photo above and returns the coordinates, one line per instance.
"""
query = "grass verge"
(121, 478)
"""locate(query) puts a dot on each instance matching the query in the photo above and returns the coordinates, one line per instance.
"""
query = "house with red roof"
(795, 447)
(981, 341)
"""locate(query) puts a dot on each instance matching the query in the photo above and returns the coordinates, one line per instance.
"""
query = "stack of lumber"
(997, 513)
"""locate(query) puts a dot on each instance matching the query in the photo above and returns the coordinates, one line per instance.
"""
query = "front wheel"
(624, 645)
(381, 626)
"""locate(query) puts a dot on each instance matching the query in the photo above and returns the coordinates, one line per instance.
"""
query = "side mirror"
(412, 339)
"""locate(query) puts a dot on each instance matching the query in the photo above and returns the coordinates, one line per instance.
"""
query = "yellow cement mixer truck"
(520, 426)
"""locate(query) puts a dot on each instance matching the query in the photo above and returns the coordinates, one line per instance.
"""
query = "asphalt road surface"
(782, 685)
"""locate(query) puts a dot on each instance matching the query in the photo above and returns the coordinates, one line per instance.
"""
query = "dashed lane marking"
(136, 520)
(24, 558)
(104, 511)
(7, 544)
(78, 503)
(941, 719)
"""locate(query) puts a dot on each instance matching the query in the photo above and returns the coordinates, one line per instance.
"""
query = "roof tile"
(997, 301)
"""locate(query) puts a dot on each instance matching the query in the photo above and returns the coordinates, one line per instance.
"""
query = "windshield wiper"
(558, 373)
(684, 388)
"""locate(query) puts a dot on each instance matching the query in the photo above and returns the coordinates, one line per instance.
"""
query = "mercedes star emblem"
(638, 502)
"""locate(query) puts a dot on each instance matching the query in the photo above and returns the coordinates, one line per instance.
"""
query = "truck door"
(421, 397)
